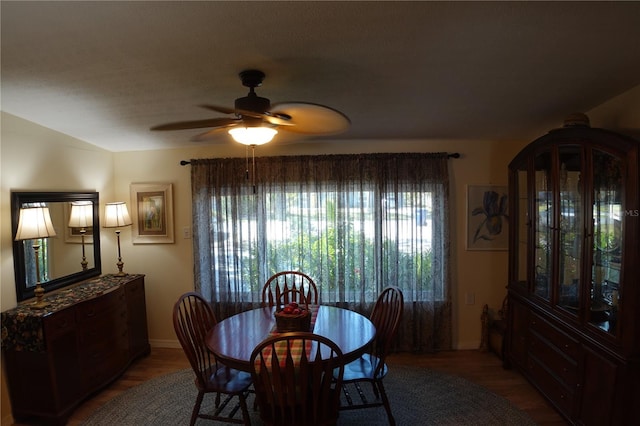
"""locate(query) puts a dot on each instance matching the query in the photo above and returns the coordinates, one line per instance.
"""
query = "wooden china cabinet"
(574, 272)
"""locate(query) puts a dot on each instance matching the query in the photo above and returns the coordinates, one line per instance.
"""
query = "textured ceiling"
(105, 72)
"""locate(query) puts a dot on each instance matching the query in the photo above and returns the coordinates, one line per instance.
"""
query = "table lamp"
(81, 216)
(116, 216)
(34, 224)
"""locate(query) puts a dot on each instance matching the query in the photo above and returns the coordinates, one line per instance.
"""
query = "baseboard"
(465, 346)
(159, 343)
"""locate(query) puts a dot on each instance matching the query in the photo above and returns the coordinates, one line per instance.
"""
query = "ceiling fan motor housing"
(254, 103)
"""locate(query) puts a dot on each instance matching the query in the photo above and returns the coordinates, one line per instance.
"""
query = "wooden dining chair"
(192, 320)
(371, 366)
(289, 280)
(297, 378)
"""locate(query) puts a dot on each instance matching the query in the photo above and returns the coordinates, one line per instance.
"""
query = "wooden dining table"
(233, 339)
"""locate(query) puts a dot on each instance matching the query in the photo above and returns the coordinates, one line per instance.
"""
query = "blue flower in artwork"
(494, 208)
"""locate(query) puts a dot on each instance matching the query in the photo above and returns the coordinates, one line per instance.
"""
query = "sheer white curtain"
(355, 223)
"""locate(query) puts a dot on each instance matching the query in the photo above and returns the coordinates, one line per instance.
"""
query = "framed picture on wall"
(487, 217)
(152, 213)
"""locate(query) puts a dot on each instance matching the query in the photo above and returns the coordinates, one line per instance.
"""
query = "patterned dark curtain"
(355, 223)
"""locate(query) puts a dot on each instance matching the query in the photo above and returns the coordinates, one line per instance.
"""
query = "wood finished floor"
(483, 368)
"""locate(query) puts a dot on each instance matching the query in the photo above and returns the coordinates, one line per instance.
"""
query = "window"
(312, 227)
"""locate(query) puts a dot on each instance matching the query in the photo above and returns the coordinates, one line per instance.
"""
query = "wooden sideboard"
(56, 357)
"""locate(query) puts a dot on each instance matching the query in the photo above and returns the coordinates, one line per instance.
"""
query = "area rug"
(417, 396)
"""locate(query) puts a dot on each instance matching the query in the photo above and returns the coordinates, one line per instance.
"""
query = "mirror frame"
(18, 199)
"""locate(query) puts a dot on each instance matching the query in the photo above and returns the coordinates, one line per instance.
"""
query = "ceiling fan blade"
(217, 108)
(197, 124)
(310, 119)
(226, 110)
(211, 134)
(278, 118)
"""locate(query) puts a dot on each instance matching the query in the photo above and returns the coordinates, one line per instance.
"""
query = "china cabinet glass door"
(570, 227)
(607, 243)
(543, 225)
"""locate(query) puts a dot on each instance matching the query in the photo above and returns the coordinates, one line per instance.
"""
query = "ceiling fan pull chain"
(247, 166)
(253, 153)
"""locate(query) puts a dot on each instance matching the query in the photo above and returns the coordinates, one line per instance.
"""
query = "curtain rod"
(452, 155)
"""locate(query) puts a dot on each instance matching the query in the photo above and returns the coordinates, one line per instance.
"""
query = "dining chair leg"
(196, 408)
(244, 409)
(255, 400)
(385, 401)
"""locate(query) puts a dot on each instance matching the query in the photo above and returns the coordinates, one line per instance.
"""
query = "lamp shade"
(116, 215)
(81, 215)
(33, 223)
(253, 135)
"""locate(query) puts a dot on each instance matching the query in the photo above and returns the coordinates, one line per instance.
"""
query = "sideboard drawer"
(135, 289)
(99, 305)
(106, 328)
(104, 362)
(62, 322)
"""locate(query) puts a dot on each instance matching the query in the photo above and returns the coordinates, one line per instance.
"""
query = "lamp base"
(39, 305)
(39, 293)
(120, 265)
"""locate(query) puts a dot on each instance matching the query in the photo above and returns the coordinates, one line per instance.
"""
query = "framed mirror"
(63, 259)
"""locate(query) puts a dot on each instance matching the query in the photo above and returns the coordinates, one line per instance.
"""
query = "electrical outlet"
(470, 298)
(186, 232)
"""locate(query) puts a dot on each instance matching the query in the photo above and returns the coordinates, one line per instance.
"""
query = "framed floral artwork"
(487, 217)
(152, 213)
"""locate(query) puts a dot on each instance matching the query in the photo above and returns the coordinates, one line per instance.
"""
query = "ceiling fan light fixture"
(253, 135)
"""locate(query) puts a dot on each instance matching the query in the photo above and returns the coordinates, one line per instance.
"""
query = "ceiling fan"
(255, 120)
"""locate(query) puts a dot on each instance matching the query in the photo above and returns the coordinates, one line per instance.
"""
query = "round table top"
(233, 339)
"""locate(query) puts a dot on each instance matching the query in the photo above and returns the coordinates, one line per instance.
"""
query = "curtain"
(355, 223)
